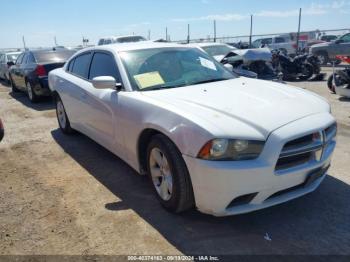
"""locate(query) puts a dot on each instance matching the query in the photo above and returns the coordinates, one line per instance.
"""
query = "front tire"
(169, 176)
(62, 117)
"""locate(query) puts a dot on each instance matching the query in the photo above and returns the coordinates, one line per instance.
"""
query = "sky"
(39, 21)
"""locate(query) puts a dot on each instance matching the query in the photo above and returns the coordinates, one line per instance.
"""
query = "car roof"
(118, 37)
(120, 47)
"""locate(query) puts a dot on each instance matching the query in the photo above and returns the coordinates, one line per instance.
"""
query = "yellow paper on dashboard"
(149, 79)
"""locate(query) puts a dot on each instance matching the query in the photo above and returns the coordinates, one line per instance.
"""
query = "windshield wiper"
(151, 88)
(209, 81)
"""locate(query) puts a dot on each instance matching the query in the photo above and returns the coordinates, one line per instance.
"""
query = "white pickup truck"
(283, 43)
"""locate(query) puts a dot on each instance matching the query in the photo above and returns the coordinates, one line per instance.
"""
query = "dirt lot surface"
(67, 195)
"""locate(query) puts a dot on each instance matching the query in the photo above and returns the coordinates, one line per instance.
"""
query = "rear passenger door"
(72, 91)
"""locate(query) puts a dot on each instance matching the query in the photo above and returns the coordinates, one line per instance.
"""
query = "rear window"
(51, 57)
(131, 39)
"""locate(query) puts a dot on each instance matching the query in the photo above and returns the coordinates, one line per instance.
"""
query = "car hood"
(255, 106)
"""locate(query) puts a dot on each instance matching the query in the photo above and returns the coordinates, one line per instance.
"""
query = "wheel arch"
(142, 143)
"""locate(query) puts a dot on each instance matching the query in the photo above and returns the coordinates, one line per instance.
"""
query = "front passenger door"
(102, 103)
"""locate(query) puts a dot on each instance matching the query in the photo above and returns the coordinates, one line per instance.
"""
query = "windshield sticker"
(149, 79)
(207, 63)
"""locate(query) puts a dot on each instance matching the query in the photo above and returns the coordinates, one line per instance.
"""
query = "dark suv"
(29, 72)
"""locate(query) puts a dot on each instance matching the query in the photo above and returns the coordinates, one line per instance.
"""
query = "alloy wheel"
(161, 174)
(30, 91)
(61, 114)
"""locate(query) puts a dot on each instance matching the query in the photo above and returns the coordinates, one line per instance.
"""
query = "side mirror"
(104, 82)
(11, 63)
(229, 67)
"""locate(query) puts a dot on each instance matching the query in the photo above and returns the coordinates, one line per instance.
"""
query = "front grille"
(304, 149)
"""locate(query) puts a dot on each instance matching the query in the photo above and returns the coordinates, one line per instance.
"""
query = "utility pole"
(55, 41)
(24, 43)
(188, 33)
(166, 34)
(149, 34)
(298, 34)
(214, 30)
(251, 31)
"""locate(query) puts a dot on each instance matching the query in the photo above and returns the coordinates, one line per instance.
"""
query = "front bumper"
(216, 184)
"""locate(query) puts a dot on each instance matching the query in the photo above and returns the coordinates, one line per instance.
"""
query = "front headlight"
(231, 150)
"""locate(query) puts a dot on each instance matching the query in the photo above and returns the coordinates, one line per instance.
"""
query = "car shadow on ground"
(344, 99)
(45, 103)
(314, 224)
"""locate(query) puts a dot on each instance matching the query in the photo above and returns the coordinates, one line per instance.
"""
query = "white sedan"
(205, 137)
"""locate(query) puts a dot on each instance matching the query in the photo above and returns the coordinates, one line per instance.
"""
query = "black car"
(30, 72)
(1, 130)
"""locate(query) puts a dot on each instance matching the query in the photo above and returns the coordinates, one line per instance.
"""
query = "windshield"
(12, 57)
(51, 57)
(171, 67)
(217, 50)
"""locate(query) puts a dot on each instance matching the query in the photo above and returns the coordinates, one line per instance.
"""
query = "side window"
(100, 42)
(346, 38)
(19, 59)
(279, 40)
(2, 60)
(81, 64)
(103, 65)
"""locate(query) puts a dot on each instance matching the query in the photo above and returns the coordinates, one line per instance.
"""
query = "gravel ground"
(68, 195)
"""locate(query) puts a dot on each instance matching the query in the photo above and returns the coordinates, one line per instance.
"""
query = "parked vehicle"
(121, 39)
(206, 138)
(240, 45)
(2, 132)
(328, 38)
(339, 81)
(282, 43)
(327, 52)
(219, 51)
(308, 44)
(292, 68)
(29, 73)
(5, 61)
(256, 61)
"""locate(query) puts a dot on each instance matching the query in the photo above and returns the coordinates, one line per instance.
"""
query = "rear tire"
(31, 94)
(62, 117)
(169, 176)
